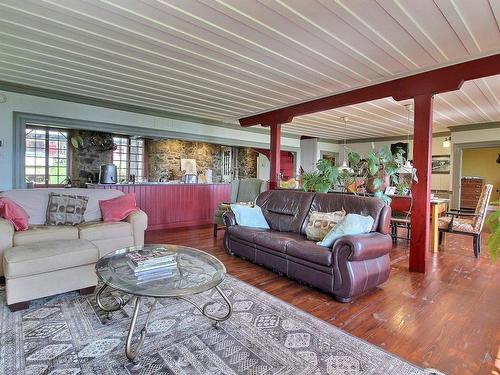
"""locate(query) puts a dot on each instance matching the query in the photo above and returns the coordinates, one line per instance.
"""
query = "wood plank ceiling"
(224, 59)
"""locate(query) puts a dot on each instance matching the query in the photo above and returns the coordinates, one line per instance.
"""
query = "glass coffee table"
(196, 272)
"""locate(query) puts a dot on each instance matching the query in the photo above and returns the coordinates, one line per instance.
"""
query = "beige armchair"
(242, 191)
(467, 223)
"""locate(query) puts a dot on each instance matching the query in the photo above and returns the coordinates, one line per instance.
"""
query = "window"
(46, 156)
(129, 158)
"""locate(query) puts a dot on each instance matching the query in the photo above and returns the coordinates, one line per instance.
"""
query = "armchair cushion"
(459, 224)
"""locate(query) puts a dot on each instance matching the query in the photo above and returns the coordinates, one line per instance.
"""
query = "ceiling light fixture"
(344, 166)
(407, 167)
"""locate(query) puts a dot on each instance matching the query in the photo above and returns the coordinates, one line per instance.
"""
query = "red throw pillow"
(13, 212)
(118, 208)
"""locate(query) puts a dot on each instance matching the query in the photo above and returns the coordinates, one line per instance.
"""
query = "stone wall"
(88, 159)
(247, 163)
(164, 156)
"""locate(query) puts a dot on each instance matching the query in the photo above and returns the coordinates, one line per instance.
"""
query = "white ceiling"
(225, 59)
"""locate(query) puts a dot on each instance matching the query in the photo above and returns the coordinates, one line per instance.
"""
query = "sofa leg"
(19, 306)
(343, 299)
(88, 290)
(215, 230)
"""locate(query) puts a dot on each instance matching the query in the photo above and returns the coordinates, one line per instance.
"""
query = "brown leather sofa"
(355, 263)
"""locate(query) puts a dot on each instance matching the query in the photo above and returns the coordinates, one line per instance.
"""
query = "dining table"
(403, 203)
(438, 207)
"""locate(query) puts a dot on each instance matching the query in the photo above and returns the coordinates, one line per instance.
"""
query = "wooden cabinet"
(470, 191)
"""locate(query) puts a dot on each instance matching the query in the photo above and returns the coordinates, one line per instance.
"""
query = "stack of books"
(153, 265)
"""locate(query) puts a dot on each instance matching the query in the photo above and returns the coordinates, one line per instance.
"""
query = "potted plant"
(322, 179)
(493, 243)
(378, 170)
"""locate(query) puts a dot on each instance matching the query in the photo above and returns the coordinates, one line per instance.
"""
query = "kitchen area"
(178, 183)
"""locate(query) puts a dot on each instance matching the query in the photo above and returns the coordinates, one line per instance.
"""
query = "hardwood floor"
(448, 319)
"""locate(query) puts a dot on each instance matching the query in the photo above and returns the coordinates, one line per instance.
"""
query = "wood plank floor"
(448, 319)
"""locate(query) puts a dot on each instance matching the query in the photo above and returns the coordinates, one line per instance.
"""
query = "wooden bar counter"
(174, 205)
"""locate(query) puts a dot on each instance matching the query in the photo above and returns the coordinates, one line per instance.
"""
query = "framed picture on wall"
(330, 157)
(441, 164)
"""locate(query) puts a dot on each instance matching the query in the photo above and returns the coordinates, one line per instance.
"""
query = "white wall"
(308, 154)
(58, 108)
(263, 167)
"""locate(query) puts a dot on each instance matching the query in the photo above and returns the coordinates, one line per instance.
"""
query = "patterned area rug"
(68, 334)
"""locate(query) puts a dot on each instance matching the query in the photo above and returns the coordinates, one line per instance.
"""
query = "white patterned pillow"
(320, 223)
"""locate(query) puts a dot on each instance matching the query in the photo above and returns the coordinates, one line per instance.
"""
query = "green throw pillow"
(350, 224)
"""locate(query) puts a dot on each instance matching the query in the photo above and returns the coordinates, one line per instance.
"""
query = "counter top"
(156, 184)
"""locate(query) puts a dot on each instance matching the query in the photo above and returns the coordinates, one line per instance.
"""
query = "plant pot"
(384, 176)
(354, 185)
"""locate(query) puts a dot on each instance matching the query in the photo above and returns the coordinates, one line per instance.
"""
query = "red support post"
(421, 191)
(275, 156)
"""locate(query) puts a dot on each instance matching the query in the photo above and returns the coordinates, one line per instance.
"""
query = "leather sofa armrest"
(6, 239)
(229, 218)
(139, 222)
(365, 246)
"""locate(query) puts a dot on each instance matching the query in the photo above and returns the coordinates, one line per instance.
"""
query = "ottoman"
(45, 268)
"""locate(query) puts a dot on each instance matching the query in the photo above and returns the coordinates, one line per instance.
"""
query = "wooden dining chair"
(467, 223)
(401, 217)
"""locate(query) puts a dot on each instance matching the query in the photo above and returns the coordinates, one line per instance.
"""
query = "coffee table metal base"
(132, 352)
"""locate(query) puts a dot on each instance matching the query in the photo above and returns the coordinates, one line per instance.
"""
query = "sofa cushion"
(66, 209)
(245, 233)
(352, 204)
(320, 223)
(35, 201)
(249, 216)
(118, 209)
(11, 211)
(41, 233)
(277, 241)
(285, 210)
(310, 251)
(99, 230)
(42, 257)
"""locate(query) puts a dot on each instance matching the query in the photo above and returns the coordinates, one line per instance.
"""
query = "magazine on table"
(162, 273)
(151, 268)
(151, 257)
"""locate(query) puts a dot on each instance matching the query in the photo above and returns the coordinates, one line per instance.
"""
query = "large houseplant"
(322, 179)
(493, 222)
(379, 169)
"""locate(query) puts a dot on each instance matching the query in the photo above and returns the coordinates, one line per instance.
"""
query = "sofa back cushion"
(285, 210)
(35, 201)
(352, 204)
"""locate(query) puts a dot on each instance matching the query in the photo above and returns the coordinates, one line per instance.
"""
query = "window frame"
(127, 159)
(47, 130)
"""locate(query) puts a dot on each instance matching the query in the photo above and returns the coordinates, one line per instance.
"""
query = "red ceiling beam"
(435, 81)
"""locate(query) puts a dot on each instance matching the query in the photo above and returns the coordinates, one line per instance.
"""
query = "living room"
(274, 187)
